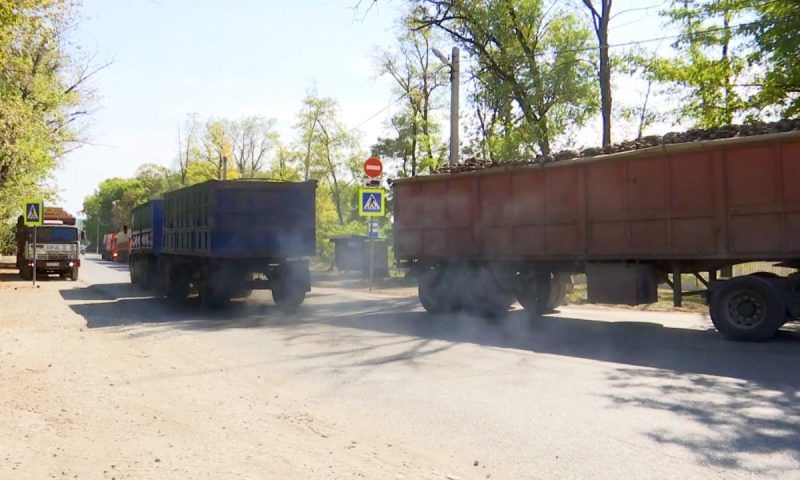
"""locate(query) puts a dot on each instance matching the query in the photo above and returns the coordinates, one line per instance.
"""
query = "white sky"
(242, 57)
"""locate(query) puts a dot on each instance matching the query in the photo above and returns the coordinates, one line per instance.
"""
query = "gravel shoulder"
(119, 403)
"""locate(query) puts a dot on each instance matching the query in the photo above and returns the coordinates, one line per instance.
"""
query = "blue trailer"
(224, 238)
(146, 241)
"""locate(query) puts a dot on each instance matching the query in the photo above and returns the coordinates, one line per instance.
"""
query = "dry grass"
(694, 304)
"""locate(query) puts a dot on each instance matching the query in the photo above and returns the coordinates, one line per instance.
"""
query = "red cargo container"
(624, 219)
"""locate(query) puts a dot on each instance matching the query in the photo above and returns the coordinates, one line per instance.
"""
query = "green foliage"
(533, 68)
(419, 79)
(709, 63)
(777, 51)
(734, 59)
(41, 96)
(111, 203)
(328, 152)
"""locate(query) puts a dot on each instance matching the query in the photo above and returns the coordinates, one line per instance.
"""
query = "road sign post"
(371, 261)
(35, 228)
(33, 216)
(373, 229)
(372, 204)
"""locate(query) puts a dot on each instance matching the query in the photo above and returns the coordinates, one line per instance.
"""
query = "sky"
(169, 58)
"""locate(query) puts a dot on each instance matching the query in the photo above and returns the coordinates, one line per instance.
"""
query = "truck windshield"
(54, 235)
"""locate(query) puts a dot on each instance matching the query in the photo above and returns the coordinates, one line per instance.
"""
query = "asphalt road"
(585, 393)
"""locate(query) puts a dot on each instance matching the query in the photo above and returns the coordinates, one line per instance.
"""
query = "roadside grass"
(693, 304)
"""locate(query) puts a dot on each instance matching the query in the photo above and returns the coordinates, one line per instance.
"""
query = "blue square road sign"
(33, 213)
(371, 202)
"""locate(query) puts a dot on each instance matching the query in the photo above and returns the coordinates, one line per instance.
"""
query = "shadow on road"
(123, 304)
(743, 398)
(775, 363)
(742, 419)
(121, 267)
(642, 344)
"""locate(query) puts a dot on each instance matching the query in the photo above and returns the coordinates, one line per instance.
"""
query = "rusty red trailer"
(626, 219)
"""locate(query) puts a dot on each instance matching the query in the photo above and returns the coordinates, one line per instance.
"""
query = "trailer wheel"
(287, 297)
(747, 309)
(431, 294)
(26, 272)
(534, 292)
(560, 285)
(148, 274)
(212, 298)
(488, 298)
(133, 268)
(177, 286)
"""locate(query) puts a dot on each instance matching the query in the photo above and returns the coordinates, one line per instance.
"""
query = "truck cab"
(57, 250)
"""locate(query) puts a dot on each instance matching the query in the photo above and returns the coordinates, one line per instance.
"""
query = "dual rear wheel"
(463, 288)
(484, 291)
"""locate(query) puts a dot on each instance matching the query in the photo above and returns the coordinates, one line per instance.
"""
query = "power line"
(387, 107)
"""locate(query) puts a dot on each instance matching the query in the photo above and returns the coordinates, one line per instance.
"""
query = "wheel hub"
(746, 310)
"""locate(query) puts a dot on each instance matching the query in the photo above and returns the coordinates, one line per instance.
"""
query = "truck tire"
(543, 292)
(214, 298)
(560, 285)
(73, 274)
(133, 268)
(287, 297)
(534, 292)
(147, 274)
(179, 281)
(26, 272)
(747, 309)
(430, 291)
(487, 297)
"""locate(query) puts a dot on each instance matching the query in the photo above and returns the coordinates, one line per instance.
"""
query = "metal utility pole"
(455, 67)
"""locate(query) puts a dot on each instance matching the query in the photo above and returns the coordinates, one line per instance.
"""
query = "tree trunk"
(337, 197)
(728, 114)
(544, 140)
(605, 76)
(600, 21)
(413, 143)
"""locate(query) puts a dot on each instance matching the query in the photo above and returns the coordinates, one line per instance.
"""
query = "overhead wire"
(387, 107)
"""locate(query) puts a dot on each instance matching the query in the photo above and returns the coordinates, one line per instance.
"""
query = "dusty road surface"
(100, 380)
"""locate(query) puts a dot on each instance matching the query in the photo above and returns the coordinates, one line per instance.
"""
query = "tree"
(187, 145)
(328, 148)
(43, 97)
(708, 65)
(402, 146)
(217, 148)
(254, 139)
(114, 199)
(777, 52)
(530, 63)
(417, 77)
(600, 19)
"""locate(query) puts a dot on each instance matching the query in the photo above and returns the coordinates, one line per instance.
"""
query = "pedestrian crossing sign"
(371, 202)
(34, 209)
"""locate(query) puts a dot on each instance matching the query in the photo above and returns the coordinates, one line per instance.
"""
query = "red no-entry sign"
(373, 167)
